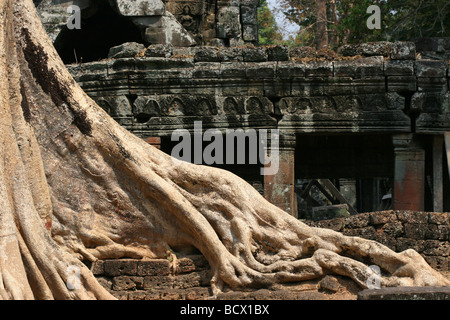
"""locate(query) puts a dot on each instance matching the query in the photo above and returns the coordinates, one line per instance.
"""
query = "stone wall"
(376, 89)
(178, 22)
(129, 279)
(427, 233)
(295, 90)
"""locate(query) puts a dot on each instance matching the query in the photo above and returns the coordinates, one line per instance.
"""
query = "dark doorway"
(97, 35)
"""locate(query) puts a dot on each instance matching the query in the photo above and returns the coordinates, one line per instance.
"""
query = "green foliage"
(269, 33)
(401, 20)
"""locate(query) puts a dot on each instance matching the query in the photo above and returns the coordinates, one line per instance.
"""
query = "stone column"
(279, 187)
(154, 141)
(409, 176)
(348, 190)
(438, 173)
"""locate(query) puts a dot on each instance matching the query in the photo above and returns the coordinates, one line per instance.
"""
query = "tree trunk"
(75, 185)
(335, 37)
(321, 26)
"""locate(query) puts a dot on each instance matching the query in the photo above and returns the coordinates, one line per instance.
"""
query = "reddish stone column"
(154, 141)
(279, 187)
(409, 177)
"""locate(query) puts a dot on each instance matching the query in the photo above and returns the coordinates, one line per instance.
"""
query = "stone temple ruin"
(180, 23)
(360, 132)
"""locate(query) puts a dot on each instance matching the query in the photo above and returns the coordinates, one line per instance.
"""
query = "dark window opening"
(97, 35)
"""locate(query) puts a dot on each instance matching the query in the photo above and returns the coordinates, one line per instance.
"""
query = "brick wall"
(129, 279)
(427, 233)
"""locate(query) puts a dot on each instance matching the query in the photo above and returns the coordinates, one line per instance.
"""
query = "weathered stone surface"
(360, 68)
(329, 283)
(329, 212)
(382, 48)
(159, 50)
(436, 248)
(126, 50)
(403, 51)
(192, 263)
(302, 52)
(254, 54)
(97, 267)
(336, 224)
(140, 7)
(393, 229)
(227, 54)
(406, 293)
(431, 68)
(123, 283)
(366, 233)
(206, 54)
(379, 218)
(120, 267)
(155, 267)
(438, 232)
(170, 31)
(426, 233)
(399, 68)
(357, 221)
(228, 22)
(278, 53)
(439, 218)
(412, 217)
(290, 70)
(415, 230)
(319, 69)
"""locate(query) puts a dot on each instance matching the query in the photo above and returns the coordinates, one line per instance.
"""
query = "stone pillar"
(154, 141)
(438, 173)
(348, 190)
(279, 187)
(409, 176)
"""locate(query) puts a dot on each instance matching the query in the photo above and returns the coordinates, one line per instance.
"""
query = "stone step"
(406, 293)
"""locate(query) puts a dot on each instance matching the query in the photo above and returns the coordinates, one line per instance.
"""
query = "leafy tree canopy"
(269, 32)
(346, 20)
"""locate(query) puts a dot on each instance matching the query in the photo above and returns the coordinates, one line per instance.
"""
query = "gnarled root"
(74, 184)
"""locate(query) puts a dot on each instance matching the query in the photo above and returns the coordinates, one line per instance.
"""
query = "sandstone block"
(399, 68)
(123, 283)
(140, 7)
(159, 50)
(250, 32)
(439, 218)
(366, 233)
(412, 217)
(227, 54)
(437, 232)
(278, 53)
(158, 282)
(431, 68)
(402, 50)
(206, 54)
(357, 221)
(126, 50)
(415, 231)
(254, 54)
(156, 267)
(192, 263)
(97, 267)
(120, 267)
(383, 217)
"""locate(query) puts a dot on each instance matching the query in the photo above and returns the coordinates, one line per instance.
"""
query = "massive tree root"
(75, 185)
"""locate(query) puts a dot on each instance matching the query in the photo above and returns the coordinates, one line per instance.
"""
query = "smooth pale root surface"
(75, 185)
